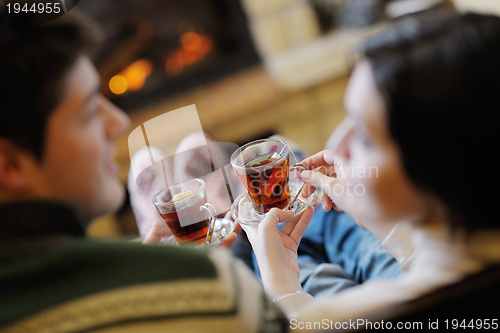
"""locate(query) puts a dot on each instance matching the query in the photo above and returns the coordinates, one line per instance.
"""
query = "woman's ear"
(15, 174)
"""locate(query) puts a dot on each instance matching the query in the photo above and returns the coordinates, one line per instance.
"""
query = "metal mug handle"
(303, 167)
(212, 215)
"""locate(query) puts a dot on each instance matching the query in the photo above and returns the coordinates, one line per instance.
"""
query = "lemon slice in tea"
(182, 195)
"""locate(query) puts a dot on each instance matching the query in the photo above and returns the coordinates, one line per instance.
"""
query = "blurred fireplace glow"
(194, 47)
(131, 78)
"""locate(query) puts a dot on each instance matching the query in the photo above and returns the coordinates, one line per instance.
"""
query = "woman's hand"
(326, 174)
(276, 249)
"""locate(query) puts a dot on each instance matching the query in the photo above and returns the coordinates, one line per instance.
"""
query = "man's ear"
(14, 171)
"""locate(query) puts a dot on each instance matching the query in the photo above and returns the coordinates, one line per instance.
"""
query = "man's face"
(77, 164)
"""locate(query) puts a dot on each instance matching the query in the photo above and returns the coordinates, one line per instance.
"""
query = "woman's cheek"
(394, 197)
(365, 189)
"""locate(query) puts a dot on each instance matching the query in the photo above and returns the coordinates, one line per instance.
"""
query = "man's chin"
(110, 201)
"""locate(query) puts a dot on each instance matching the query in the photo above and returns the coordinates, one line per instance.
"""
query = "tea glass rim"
(246, 145)
(172, 202)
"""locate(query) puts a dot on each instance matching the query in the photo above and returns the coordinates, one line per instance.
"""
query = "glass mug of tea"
(263, 167)
(185, 210)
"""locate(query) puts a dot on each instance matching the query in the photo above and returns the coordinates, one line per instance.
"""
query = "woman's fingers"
(288, 228)
(326, 202)
(269, 223)
(319, 180)
(332, 188)
(301, 226)
(275, 216)
(324, 162)
(336, 208)
(318, 159)
(309, 189)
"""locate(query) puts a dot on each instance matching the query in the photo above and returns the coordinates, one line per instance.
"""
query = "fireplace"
(155, 49)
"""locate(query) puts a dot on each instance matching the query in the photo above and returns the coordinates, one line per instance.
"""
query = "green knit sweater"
(53, 279)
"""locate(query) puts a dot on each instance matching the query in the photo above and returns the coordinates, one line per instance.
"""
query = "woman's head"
(421, 107)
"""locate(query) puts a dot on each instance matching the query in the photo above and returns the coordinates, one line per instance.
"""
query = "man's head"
(56, 129)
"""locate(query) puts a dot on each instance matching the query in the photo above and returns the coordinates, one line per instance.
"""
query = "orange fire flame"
(131, 78)
(194, 47)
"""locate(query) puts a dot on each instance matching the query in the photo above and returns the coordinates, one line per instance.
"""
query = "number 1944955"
(39, 8)
(471, 324)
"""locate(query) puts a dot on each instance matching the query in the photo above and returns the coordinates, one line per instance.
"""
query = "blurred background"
(253, 68)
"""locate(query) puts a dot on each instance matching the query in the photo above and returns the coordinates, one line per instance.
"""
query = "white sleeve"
(360, 301)
(293, 304)
(399, 244)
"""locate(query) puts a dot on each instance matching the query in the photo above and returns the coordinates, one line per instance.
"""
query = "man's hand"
(231, 238)
(155, 233)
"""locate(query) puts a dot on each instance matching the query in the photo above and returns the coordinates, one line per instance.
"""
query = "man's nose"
(117, 121)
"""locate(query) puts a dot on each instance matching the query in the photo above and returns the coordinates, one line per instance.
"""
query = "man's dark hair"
(440, 75)
(33, 67)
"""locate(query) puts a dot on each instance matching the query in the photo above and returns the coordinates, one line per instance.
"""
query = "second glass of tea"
(263, 167)
(185, 210)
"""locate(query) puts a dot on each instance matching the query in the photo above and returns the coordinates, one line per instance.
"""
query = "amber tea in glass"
(181, 207)
(262, 167)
